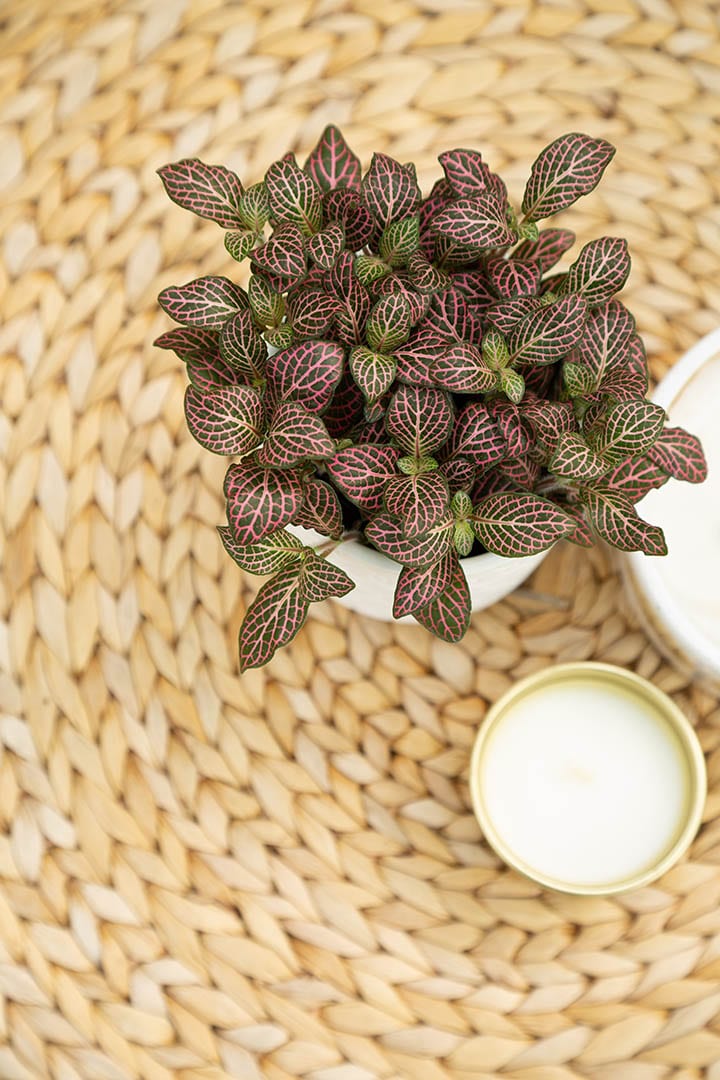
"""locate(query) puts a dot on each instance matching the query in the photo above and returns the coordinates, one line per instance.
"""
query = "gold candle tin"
(612, 678)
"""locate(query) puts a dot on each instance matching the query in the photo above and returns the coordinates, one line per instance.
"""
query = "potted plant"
(405, 377)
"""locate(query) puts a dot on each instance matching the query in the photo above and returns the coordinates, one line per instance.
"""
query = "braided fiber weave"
(280, 876)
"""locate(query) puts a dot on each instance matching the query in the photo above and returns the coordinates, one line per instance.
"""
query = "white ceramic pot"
(678, 595)
(490, 577)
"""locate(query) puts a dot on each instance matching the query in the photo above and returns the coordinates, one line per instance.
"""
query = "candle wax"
(585, 783)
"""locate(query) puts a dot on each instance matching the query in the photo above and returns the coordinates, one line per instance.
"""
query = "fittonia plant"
(409, 370)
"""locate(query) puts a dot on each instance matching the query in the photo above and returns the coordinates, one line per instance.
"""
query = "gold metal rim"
(671, 713)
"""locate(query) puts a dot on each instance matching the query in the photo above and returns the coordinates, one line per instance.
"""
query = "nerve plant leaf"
(210, 191)
(275, 552)
(547, 335)
(420, 501)
(389, 190)
(615, 519)
(461, 369)
(477, 437)
(293, 196)
(320, 509)
(362, 472)
(206, 302)
(416, 589)
(574, 459)
(320, 579)
(477, 222)
(468, 175)
(388, 536)
(295, 435)
(325, 247)
(273, 619)
(331, 163)
(519, 524)
(569, 167)
(373, 372)
(680, 454)
(601, 270)
(631, 428)
(307, 372)
(514, 277)
(282, 255)
(419, 419)
(225, 419)
(242, 346)
(448, 614)
(260, 501)
(548, 249)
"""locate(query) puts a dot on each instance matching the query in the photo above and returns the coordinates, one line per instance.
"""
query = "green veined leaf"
(254, 208)
(240, 244)
(615, 519)
(275, 552)
(206, 302)
(549, 334)
(325, 247)
(512, 384)
(631, 428)
(210, 191)
(680, 454)
(370, 268)
(321, 579)
(373, 372)
(389, 323)
(600, 270)
(420, 419)
(399, 240)
(574, 459)
(226, 419)
(448, 615)
(273, 619)
(389, 190)
(578, 379)
(260, 501)
(267, 305)
(331, 163)
(293, 196)
(320, 509)
(279, 337)
(417, 588)
(242, 346)
(519, 523)
(569, 167)
(425, 277)
(388, 536)
(295, 435)
(419, 500)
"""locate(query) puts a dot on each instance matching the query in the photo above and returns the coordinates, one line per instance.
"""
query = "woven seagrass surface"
(279, 876)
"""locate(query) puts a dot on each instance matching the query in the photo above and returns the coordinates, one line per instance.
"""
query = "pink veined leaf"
(344, 205)
(205, 302)
(272, 619)
(581, 533)
(539, 381)
(293, 196)
(450, 254)
(474, 286)
(548, 249)
(447, 616)
(260, 501)
(425, 277)
(605, 344)
(320, 509)
(419, 501)
(242, 346)
(345, 409)
(374, 411)
(189, 342)
(492, 482)
(635, 477)
(459, 473)
(418, 552)
(311, 313)
(616, 521)
(441, 195)
(210, 191)
(325, 247)
(631, 428)
(361, 473)
(295, 435)
(226, 419)
(275, 552)
(417, 588)
(506, 314)
(477, 222)
(307, 372)
(461, 370)
(389, 323)
(420, 419)
(477, 437)
(399, 284)
(331, 163)
(569, 167)
(282, 255)
(354, 301)
(448, 315)
(514, 277)
(600, 270)
(508, 418)
(680, 454)
(549, 420)
(367, 433)
(468, 175)
(547, 335)
(416, 357)
(520, 523)
(279, 337)
(373, 372)
(321, 579)
(522, 470)
(574, 459)
(629, 378)
(212, 372)
(389, 190)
